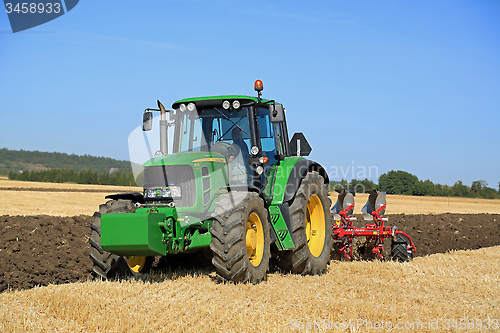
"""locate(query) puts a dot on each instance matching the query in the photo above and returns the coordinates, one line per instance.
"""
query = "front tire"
(241, 238)
(311, 228)
(107, 265)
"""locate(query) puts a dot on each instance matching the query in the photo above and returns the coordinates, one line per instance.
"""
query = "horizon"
(331, 181)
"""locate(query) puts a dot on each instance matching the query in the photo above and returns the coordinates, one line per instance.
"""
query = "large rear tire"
(311, 228)
(241, 238)
(105, 264)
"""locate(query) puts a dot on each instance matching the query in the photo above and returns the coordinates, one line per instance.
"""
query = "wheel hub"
(136, 263)
(315, 225)
(254, 239)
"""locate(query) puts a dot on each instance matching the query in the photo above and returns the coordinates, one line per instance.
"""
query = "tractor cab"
(248, 133)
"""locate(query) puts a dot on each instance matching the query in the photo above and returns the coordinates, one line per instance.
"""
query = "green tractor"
(227, 183)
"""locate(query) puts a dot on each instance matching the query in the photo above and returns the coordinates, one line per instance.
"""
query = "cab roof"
(212, 101)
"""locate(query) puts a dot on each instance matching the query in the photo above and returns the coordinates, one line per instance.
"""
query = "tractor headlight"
(259, 170)
(254, 150)
(226, 105)
(191, 106)
(150, 193)
(182, 107)
(166, 193)
(236, 105)
(162, 192)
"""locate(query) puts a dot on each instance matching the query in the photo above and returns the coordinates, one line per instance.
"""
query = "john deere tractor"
(225, 181)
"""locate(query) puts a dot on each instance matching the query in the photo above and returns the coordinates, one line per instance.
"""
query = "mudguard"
(285, 177)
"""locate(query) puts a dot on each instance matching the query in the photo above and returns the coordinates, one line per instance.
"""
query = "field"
(31, 198)
(45, 242)
(24, 198)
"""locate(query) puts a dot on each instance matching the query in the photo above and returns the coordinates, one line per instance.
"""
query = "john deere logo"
(28, 14)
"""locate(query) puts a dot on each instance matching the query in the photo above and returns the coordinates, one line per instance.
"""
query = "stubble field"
(44, 232)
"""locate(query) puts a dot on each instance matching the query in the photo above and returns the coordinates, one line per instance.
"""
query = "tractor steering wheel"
(223, 147)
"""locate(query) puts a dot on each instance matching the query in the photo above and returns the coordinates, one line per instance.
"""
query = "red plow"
(345, 233)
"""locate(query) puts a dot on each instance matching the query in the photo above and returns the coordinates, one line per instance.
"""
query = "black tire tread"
(229, 238)
(399, 248)
(105, 264)
(300, 260)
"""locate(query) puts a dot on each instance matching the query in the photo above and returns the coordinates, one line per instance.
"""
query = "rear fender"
(287, 177)
(299, 171)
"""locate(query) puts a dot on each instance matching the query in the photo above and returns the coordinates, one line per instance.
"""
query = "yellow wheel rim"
(315, 225)
(255, 239)
(136, 263)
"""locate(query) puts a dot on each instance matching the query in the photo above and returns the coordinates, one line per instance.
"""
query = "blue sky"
(391, 85)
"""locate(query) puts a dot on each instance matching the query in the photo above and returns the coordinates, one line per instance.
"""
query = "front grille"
(173, 175)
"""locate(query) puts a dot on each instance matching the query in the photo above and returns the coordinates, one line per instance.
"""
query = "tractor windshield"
(201, 130)
(206, 130)
(220, 125)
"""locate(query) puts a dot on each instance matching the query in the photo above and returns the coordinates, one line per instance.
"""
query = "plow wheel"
(311, 228)
(105, 264)
(399, 248)
(241, 238)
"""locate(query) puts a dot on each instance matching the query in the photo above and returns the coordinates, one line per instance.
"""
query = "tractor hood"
(186, 158)
(187, 178)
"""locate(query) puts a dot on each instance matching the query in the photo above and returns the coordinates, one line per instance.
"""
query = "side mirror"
(276, 113)
(299, 145)
(147, 121)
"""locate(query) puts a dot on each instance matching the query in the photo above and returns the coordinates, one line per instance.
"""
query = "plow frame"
(345, 231)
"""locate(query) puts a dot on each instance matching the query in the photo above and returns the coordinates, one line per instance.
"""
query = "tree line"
(402, 182)
(86, 176)
(392, 182)
(16, 160)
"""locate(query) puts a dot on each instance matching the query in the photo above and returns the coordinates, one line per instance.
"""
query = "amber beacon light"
(258, 86)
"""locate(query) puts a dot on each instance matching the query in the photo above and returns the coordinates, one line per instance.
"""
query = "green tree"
(461, 190)
(488, 192)
(336, 185)
(425, 188)
(397, 182)
(443, 190)
(478, 185)
(480, 189)
(13, 159)
(362, 186)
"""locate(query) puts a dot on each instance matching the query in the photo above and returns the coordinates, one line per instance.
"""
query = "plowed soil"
(42, 250)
